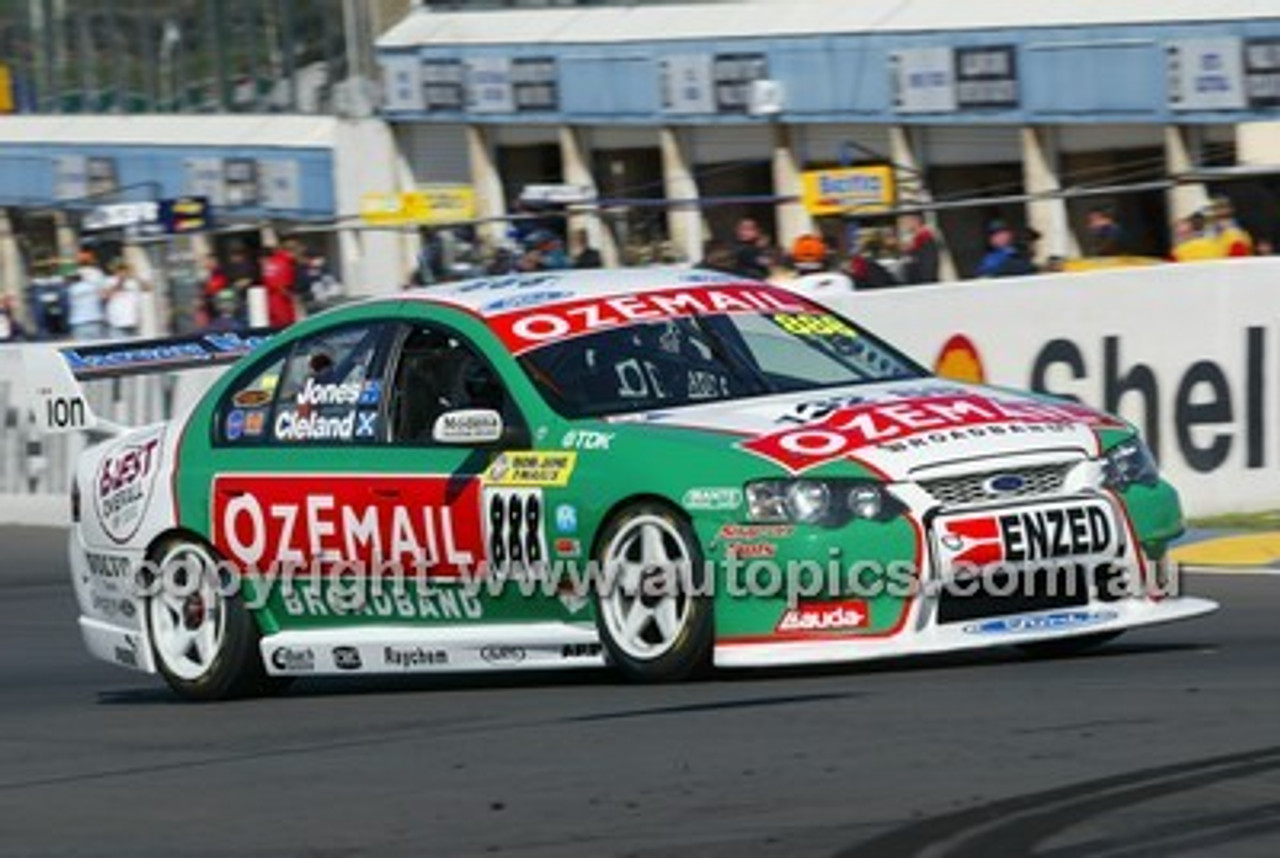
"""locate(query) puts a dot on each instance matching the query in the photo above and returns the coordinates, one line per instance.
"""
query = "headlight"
(1129, 463)
(829, 503)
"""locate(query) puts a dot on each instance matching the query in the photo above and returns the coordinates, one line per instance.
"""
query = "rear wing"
(54, 375)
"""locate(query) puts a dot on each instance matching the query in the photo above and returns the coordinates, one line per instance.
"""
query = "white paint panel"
(436, 153)
(1169, 319)
(1105, 138)
(718, 144)
(966, 145)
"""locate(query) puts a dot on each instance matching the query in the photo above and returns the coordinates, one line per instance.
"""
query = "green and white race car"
(660, 470)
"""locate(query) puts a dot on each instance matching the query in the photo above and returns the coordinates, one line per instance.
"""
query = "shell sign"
(959, 360)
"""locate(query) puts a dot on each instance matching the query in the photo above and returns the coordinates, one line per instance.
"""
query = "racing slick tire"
(1066, 647)
(655, 618)
(204, 641)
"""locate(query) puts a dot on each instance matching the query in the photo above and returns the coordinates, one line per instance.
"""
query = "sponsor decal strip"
(523, 330)
(846, 431)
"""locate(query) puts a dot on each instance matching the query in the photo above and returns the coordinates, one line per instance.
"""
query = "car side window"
(439, 371)
(325, 390)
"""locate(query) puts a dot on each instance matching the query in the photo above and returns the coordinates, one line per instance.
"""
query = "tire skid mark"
(1015, 826)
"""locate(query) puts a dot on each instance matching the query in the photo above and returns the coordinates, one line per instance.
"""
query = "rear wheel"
(655, 624)
(1064, 647)
(205, 641)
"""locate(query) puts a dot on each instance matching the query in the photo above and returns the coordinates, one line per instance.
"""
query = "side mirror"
(468, 427)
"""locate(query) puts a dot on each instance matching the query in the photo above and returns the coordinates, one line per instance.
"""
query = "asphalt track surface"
(1166, 742)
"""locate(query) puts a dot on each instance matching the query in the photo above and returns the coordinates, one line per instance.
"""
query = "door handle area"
(388, 494)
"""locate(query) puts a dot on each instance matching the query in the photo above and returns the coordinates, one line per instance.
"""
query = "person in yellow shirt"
(1233, 240)
(1191, 242)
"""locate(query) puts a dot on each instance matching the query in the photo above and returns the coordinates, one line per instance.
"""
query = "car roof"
(487, 296)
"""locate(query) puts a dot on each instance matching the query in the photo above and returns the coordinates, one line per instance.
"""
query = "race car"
(659, 470)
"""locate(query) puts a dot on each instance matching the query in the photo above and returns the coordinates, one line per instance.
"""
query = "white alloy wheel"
(189, 613)
(648, 566)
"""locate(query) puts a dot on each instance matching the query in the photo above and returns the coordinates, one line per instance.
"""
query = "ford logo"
(1004, 484)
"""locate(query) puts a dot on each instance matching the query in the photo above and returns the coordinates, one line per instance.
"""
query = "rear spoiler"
(53, 375)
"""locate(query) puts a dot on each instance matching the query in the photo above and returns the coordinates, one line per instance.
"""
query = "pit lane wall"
(1188, 353)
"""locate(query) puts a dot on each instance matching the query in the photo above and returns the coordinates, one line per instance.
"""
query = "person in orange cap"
(814, 278)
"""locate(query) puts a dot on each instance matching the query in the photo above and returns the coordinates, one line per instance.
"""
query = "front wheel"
(654, 617)
(204, 640)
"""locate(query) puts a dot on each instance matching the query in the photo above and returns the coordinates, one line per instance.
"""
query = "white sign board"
(687, 86)
(489, 87)
(1180, 350)
(281, 184)
(1206, 74)
(402, 83)
(923, 80)
(71, 177)
(204, 178)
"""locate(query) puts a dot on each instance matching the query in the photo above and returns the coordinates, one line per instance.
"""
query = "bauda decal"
(124, 485)
(807, 618)
(430, 524)
(1029, 535)
(845, 431)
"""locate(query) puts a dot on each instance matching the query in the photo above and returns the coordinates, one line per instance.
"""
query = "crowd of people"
(83, 301)
(296, 281)
(86, 301)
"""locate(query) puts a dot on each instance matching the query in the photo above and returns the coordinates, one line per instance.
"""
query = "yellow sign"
(531, 469)
(849, 190)
(433, 204)
(8, 100)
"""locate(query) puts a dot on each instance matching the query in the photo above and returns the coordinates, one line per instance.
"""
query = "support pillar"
(793, 220)
(1040, 175)
(906, 153)
(491, 202)
(1182, 152)
(684, 220)
(575, 165)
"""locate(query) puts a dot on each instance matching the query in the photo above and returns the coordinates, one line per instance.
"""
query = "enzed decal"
(716, 499)
(426, 523)
(846, 431)
(844, 616)
(125, 481)
(551, 469)
(1029, 535)
(1033, 623)
(521, 330)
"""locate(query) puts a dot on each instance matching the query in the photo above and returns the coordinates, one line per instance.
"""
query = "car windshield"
(632, 366)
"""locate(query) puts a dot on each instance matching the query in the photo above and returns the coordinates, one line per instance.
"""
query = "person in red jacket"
(280, 277)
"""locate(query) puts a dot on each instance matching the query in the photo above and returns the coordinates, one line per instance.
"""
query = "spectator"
(920, 253)
(587, 256)
(1105, 235)
(810, 258)
(717, 256)
(1192, 243)
(751, 254)
(242, 274)
(124, 302)
(1231, 238)
(316, 284)
(215, 284)
(10, 328)
(865, 268)
(1005, 258)
(279, 276)
(85, 295)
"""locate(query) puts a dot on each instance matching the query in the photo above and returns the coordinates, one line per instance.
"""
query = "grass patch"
(1268, 520)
